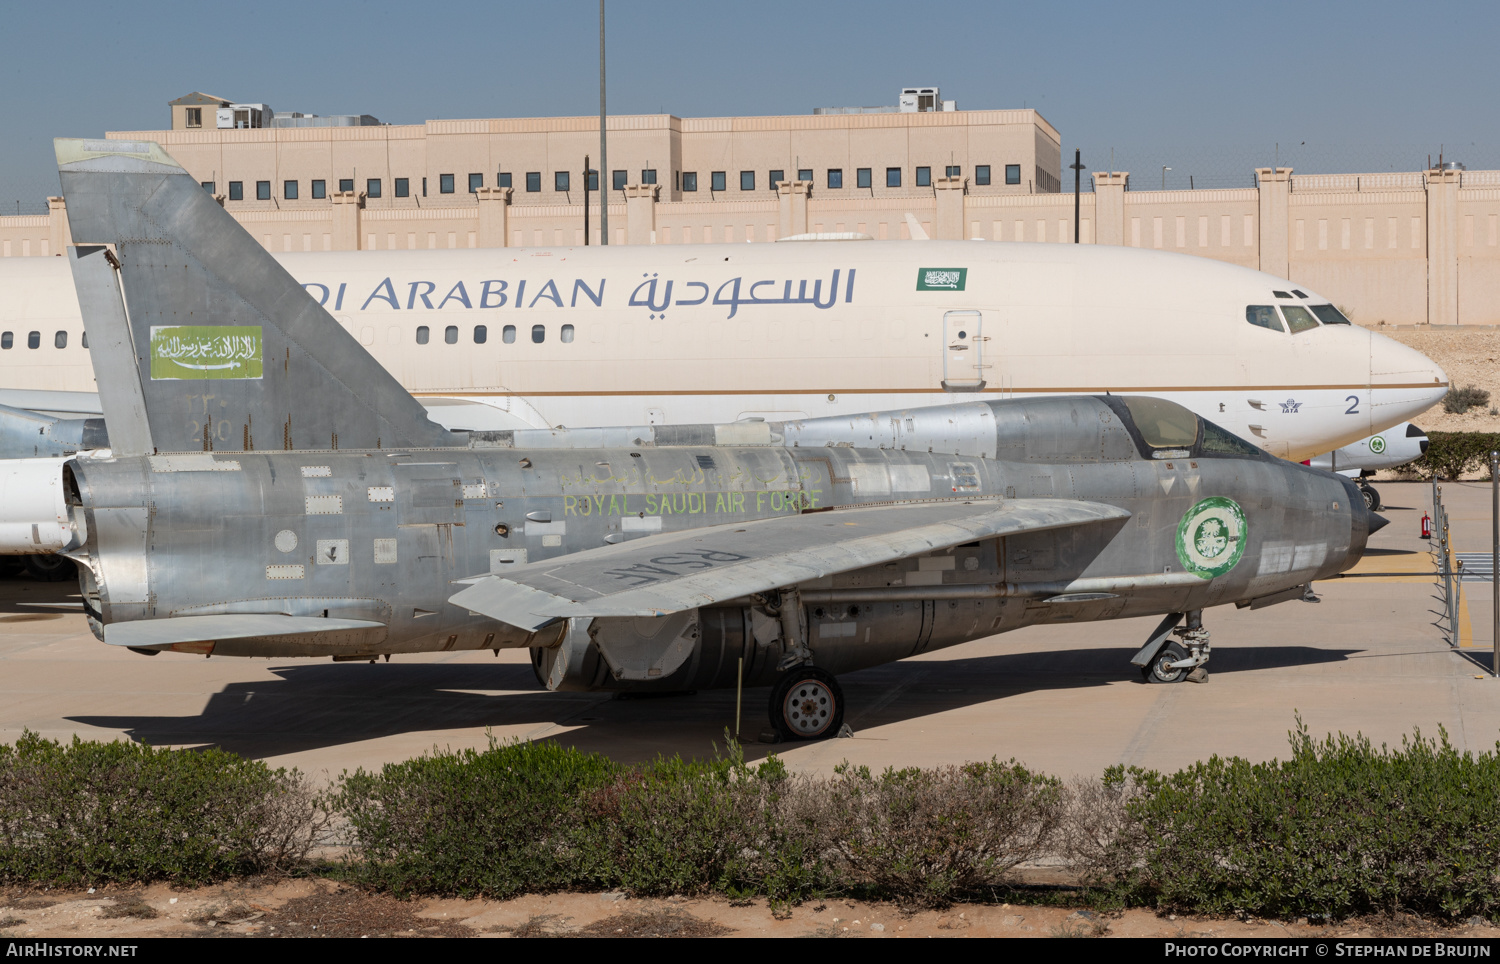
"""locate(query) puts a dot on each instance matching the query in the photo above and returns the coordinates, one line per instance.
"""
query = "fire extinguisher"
(1426, 526)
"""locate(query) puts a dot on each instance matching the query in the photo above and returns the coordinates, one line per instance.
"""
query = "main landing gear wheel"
(807, 704)
(1161, 670)
(51, 568)
(1372, 498)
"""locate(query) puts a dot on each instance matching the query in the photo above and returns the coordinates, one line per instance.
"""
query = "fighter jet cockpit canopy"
(1163, 429)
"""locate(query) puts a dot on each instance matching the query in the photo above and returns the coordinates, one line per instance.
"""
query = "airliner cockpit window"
(1162, 424)
(1298, 319)
(1329, 315)
(1263, 316)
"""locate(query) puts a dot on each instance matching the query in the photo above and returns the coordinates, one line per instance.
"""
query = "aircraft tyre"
(51, 568)
(1160, 669)
(807, 704)
(1372, 498)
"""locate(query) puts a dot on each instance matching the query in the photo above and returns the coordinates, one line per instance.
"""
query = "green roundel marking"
(1377, 445)
(1211, 537)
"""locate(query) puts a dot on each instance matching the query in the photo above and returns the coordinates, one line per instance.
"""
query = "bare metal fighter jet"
(342, 522)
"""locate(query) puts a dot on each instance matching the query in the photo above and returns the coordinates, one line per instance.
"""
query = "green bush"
(1341, 828)
(88, 812)
(1451, 454)
(1460, 400)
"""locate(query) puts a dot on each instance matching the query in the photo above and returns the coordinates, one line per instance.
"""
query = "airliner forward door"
(963, 351)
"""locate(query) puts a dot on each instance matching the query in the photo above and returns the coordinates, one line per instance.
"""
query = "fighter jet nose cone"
(1377, 522)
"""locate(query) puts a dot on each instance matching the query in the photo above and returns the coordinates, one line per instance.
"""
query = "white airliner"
(622, 335)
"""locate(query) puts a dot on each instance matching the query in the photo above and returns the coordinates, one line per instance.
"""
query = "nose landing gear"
(1167, 660)
(1371, 494)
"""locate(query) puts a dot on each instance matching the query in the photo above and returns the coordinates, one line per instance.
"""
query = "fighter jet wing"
(674, 571)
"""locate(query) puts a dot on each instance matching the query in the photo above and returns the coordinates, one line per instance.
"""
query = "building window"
(982, 174)
(372, 187)
(538, 334)
(893, 177)
(648, 176)
(422, 334)
(1012, 174)
(533, 181)
(617, 180)
(476, 181)
(209, 186)
(289, 190)
(804, 174)
(424, 187)
(319, 190)
(747, 180)
(690, 180)
(718, 182)
(7, 341)
(502, 179)
(403, 187)
(195, 117)
(835, 177)
(481, 334)
(774, 178)
(346, 184)
(450, 335)
(60, 340)
(593, 180)
(236, 190)
(263, 190)
(567, 334)
(34, 339)
(953, 170)
(508, 334)
(560, 181)
(924, 177)
(863, 178)
(445, 183)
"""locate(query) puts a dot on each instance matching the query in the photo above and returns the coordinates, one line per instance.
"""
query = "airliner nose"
(1403, 381)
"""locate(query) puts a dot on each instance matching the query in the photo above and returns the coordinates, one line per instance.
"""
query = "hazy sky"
(1207, 88)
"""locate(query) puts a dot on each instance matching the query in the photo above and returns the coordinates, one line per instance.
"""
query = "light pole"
(1164, 171)
(603, 153)
(1078, 168)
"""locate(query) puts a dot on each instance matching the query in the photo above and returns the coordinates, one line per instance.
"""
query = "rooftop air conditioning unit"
(920, 100)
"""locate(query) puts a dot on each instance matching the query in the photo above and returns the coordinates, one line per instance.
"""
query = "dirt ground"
(321, 908)
(1470, 357)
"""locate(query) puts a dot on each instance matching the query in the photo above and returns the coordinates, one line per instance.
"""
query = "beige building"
(1408, 248)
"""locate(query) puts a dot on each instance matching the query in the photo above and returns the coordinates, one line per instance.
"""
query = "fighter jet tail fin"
(201, 340)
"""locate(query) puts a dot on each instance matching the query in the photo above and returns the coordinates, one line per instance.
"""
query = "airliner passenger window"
(34, 339)
(7, 341)
(422, 334)
(508, 335)
(450, 334)
(1162, 423)
(481, 334)
(1329, 315)
(60, 340)
(1298, 318)
(1263, 316)
(567, 333)
(538, 333)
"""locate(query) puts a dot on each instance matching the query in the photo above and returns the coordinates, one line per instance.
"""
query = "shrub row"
(87, 812)
(1339, 828)
(1450, 455)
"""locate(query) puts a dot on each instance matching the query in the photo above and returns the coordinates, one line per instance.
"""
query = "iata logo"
(1290, 406)
(941, 279)
(1377, 445)
(1211, 537)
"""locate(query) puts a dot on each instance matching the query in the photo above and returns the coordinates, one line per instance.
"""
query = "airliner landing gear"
(1372, 496)
(807, 704)
(1166, 660)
